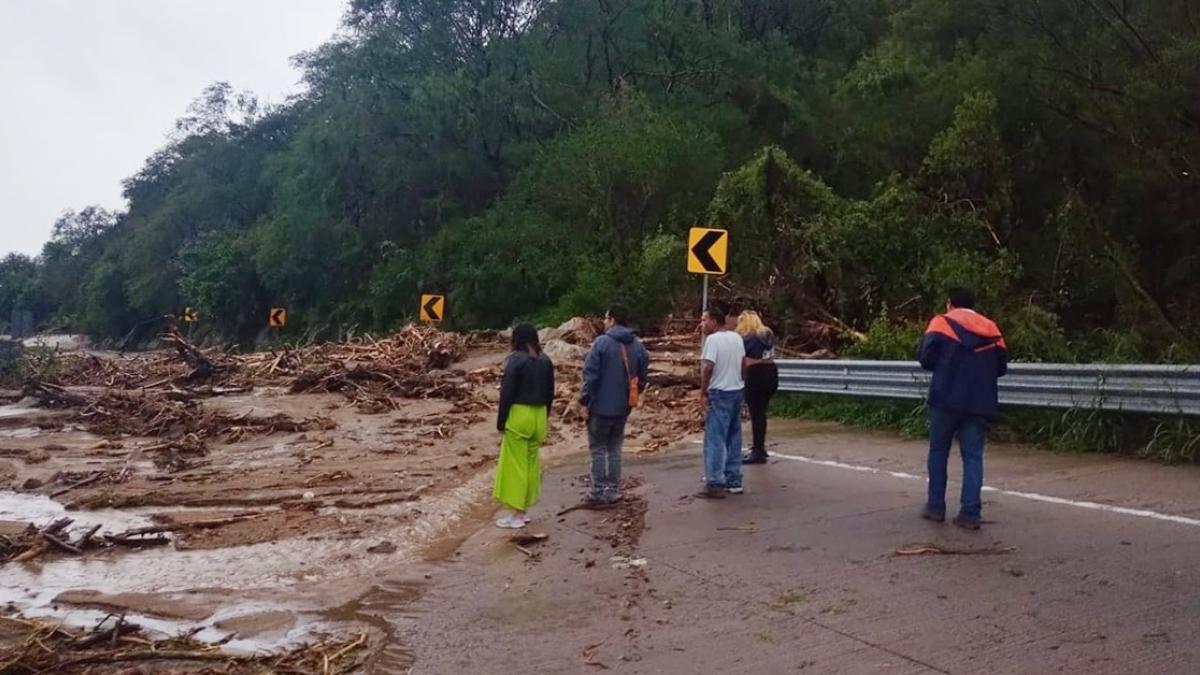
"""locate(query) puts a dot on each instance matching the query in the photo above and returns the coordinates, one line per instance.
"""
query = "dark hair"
(962, 297)
(716, 312)
(618, 314)
(525, 339)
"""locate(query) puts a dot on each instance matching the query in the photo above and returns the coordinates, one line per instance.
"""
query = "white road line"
(1032, 496)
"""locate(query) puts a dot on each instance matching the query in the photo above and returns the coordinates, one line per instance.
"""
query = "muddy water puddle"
(388, 608)
(335, 565)
(22, 420)
(244, 627)
(391, 605)
(22, 432)
(7, 411)
(41, 510)
(304, 587)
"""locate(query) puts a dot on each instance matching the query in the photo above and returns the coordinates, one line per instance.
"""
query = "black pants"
(762, 381)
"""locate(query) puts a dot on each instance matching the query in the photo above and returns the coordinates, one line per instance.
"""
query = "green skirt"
(518, 474)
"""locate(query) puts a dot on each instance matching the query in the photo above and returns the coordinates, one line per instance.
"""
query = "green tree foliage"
(780, 215)
(536, 159)
(74, 248)
(18, 285)
(219, 278)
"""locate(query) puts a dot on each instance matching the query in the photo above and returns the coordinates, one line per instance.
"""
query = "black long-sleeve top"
(528, 380)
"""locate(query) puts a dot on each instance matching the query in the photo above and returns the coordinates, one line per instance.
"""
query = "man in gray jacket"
(616, 358)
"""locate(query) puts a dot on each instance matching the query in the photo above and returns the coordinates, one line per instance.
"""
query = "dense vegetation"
(537, 157)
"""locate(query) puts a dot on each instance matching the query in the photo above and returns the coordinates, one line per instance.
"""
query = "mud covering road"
(1087, 565)
(263, 501)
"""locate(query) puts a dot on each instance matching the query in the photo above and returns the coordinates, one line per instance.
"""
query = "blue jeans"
(723, 439)
(606, 435)
(972, 432)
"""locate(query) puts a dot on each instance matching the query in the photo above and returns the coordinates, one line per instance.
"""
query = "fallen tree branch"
(39, 547)
(78, 484)
(935, 549)
(112, 635)
(59, 543)
(87, 537)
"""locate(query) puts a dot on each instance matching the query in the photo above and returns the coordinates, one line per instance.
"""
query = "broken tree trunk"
(53, 396)
(202, 366)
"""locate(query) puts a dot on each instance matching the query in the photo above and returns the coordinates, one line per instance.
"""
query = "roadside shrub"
(35, 363)
(888, 341)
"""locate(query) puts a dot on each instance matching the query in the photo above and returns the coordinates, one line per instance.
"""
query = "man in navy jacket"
(614, 359)
(967, 354)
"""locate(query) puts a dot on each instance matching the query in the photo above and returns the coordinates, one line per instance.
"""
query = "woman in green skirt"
(526, 393)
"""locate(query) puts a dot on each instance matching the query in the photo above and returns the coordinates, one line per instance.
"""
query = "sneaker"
(966, 523)
(736, 490)
(511, 522)
(754, 458)
(935, 516)
(711, 493)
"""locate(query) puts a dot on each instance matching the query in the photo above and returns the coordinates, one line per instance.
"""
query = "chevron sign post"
(708, 254)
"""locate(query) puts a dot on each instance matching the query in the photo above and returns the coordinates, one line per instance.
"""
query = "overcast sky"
(91, 87)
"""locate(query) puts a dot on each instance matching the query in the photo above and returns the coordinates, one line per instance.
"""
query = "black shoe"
(754, 458)
(598, 505)
(935, 516)
(711, 493)
(966, 523)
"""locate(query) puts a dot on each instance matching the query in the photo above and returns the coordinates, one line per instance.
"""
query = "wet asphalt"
(802, 572)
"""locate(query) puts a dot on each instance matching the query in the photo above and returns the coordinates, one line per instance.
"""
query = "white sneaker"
(736, 490)
(511, 523)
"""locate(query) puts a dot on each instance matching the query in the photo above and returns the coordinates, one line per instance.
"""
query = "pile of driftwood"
(144, 413)
(371, 373)
(35, 541)
(30, 646)
(55, 538)
(413, 347)
(411, 363)
(158, 395)
(187, 365)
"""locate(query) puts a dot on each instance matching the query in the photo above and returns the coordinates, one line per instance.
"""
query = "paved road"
(800, 574)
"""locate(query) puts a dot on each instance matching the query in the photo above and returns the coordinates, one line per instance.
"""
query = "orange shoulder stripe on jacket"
(976, 323)
(979, 325)
(940, 326)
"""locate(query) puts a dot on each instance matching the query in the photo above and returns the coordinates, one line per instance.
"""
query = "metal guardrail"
(1173, 390)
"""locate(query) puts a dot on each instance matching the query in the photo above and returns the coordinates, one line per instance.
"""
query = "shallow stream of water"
(42, 510)
(315, 581)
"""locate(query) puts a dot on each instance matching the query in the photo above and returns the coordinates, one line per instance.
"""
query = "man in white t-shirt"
(721, 398)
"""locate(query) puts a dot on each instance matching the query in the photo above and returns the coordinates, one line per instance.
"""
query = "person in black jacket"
(967, 354)
(762, 380)
(526, 394)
